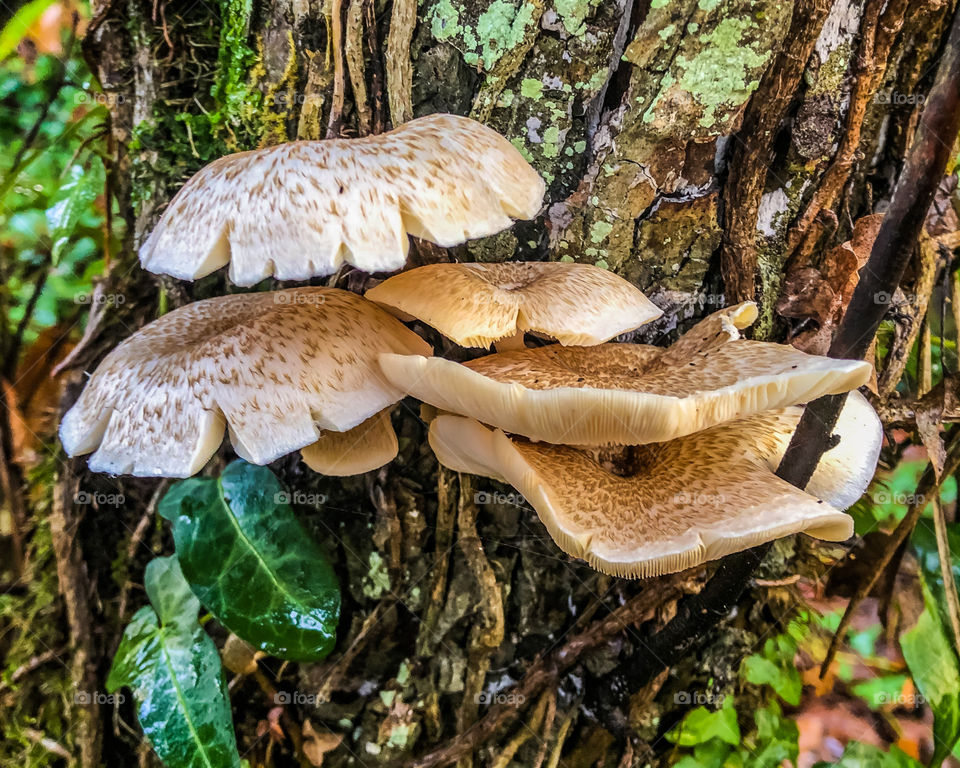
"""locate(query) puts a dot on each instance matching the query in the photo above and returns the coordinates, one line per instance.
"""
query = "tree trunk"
(699, 148)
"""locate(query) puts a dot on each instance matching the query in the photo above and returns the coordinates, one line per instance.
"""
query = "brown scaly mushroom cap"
(276, 368)
(627, 394)
(476, 305)
(301, 209)
(690, 500)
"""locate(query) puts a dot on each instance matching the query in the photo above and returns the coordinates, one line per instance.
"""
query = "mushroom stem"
(510, 342)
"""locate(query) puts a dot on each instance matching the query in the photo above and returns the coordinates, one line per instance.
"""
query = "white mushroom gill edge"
(592, 416)
(464, 445)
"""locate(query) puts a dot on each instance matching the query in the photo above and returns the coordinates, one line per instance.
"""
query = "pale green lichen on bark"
(502, 25)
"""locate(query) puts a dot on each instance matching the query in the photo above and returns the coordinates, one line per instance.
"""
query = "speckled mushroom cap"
(689, 500)
(276, 368)
(361, 449)
(626, 394)
(476, 305)
(301, 209)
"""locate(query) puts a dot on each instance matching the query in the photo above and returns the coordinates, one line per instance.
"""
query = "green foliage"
(71, 202)
(933, 664)
(702, 725)
(232, 92)
(252, 564)
(173, 669)
(775, 667)
(25, 16)
(52, 208)
(886, 502)
(924, 541)
(858, 755)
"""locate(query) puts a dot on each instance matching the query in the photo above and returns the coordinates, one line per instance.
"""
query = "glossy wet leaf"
(173, 669)
(252, 564)
(924, 541)
(74, 198)
(935, 670)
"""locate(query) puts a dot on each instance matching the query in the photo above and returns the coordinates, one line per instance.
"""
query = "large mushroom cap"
(275, 367)
(301, 209)
(689, 500)
(626, 393)
(476, 305)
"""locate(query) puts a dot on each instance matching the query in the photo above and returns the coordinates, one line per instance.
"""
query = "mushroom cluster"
(639, 459)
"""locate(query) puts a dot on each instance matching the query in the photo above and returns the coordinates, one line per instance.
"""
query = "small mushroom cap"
(301, 209)
(277, 368)
(692, 499)
(626, 394)
(364, 448)
(476, 305)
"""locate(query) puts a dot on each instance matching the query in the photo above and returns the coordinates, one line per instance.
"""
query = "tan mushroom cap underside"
(627, 394)
(366, 447)
(476, 305)
(276, 368)
(301, 209)
(690, 500)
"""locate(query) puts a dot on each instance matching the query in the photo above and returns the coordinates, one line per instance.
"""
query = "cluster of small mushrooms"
(639, 459)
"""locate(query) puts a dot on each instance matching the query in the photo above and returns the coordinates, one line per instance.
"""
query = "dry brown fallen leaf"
(821, 294)
(317, 743)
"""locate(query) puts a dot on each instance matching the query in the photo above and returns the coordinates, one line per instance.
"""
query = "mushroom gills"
(690, 500)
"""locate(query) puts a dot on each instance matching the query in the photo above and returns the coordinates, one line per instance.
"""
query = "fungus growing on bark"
(301, 209)
(367, 446)
(627, 393)
(276, 368)
(685, 501)
(476, 305)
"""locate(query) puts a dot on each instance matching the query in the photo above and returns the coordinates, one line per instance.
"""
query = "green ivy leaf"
(934, 667)
(252, 564)
(924, 541)
(775, 667)
(173, 669)
(701, 725)
(72, 201)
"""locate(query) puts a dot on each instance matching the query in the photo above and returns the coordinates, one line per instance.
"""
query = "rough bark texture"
(694, 147)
